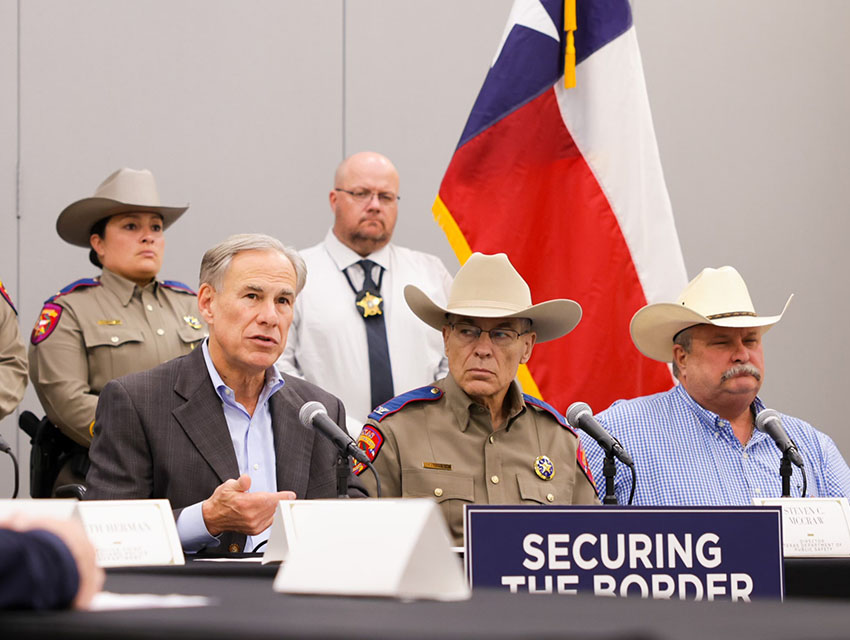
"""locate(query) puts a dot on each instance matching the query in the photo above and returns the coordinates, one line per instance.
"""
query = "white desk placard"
(277, 548)
(132, 533)
(813, 527)
(41, 508)
(405, 550)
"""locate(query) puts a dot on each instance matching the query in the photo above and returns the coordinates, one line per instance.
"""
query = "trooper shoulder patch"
(77, 284)
(548, 408)
(7, 297)
(46, 323)
(399, 402)
(371, 439)
(581, 460)
(178, 286)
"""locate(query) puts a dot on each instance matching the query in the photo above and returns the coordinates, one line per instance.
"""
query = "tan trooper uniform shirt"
(93, 334)
(13, 358)
(444, 447)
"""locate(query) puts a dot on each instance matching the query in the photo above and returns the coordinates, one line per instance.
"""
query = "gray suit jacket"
(161, 433)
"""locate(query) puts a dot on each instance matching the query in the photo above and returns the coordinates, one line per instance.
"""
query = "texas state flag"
(568, 183)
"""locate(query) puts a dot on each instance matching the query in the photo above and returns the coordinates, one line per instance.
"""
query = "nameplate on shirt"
(132, 533)
(700, 553)
(404, 549)
(813, 527)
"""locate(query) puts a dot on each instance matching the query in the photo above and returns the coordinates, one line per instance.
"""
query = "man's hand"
(70, 532)
(232, 508)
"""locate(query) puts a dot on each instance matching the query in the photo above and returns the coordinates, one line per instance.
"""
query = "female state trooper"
(97, 329)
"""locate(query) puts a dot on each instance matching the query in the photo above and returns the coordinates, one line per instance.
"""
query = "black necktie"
(371, 306)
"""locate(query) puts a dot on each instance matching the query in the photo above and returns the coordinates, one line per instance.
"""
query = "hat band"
(732, 314)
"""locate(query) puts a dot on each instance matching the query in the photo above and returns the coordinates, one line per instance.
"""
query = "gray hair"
(684, 339)
(217, 260)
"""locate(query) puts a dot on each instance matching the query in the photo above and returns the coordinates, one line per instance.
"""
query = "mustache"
(739, 369)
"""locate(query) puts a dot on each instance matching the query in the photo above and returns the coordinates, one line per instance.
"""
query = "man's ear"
(680, 357)
(529, 346)
(446, 331)
(206, 296)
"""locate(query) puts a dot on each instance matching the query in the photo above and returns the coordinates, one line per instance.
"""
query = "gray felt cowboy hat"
(489, 287)
(716, 296)
(124, 191)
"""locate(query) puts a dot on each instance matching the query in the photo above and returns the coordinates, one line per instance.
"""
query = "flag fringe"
(453, 233)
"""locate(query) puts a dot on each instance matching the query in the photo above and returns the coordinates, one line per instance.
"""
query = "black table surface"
(804, 577)
(245, 605)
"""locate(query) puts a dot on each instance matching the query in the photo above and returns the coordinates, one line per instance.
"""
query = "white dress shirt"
(327, 340)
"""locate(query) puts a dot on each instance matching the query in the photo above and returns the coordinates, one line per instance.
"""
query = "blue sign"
(693, 553)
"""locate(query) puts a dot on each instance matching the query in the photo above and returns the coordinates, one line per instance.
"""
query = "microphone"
(314, 415)
(579, 416)
(770, 422)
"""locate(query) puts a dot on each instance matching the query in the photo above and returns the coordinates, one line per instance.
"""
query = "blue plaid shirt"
(687, 455)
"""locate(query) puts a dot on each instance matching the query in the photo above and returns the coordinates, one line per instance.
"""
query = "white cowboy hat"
(124, 191)
(490, 287)
(716, 296)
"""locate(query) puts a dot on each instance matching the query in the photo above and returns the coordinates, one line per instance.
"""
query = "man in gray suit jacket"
(217, 431)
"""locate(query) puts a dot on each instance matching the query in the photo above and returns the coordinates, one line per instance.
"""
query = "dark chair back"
(51, 449)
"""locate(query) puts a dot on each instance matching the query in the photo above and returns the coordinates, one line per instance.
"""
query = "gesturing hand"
(232, 508)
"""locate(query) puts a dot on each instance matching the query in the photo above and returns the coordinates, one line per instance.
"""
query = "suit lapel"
(293, 443)
(202, 418)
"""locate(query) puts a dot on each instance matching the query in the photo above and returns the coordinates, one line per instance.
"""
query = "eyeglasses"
(500, 336)
(365, 195)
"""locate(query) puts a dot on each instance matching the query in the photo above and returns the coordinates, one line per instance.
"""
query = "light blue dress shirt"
(687, 455)
(253, 443)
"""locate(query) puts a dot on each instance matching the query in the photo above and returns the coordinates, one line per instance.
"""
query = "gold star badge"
(544, 467)
(370, 304)
(192, 321)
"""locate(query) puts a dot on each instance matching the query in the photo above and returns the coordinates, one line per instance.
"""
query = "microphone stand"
(609, 470)
(343, 472)
(785, 470)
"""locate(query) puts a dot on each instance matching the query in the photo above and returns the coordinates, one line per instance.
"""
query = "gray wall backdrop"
(244, 108)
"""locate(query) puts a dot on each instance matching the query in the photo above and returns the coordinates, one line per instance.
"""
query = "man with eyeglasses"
(352, 334)
(474, 437)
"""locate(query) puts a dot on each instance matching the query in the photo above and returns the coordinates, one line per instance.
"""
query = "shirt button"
(438, 492)
(492, 439)
(757, 489)
(149, 307)
(550, 497)
(160, 332)
(228, 392)
(746, 455)
(114, 338)
(494, 479)
(256, 466)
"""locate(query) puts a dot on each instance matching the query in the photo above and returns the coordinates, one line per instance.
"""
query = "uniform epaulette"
(548, 408)
(396, 404)
(77, 284)
(178, 286)
(7, 297)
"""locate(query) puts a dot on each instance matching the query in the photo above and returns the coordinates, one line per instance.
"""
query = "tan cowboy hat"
(490, 287)
(716, 296)
(125, 191)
